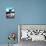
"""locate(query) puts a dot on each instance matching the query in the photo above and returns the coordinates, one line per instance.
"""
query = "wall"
(31, 11)
(7, 25)
(27, 12)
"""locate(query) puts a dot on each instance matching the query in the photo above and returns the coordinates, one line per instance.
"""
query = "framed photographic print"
(10, 13)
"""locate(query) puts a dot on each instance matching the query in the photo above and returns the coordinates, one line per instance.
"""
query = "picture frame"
(10, 13)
